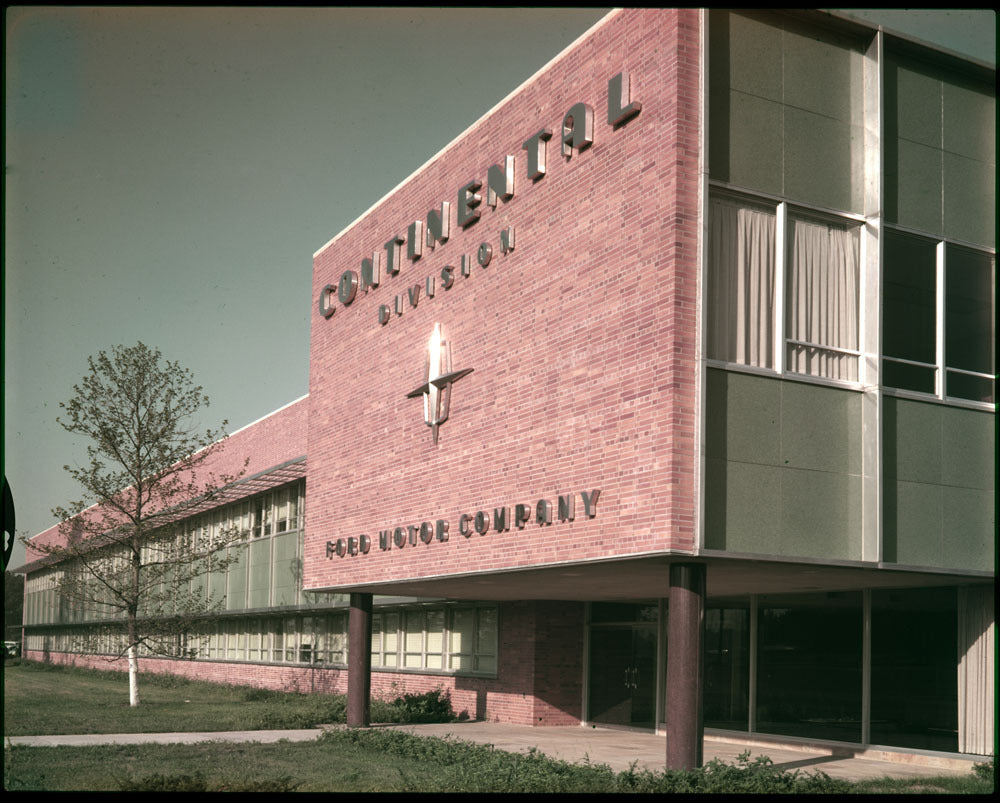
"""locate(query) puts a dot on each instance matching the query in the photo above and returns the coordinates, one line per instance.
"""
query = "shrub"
(986, 771)
(431, 706)
(469, 768)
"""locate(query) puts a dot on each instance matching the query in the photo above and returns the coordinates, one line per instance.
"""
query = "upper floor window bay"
(938, 318)
(852, 207)
(783, 288)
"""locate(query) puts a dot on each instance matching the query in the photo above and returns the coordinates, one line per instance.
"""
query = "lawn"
(303, 767)
(42, 700)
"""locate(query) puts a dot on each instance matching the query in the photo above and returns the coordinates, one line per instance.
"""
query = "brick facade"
(582, 338)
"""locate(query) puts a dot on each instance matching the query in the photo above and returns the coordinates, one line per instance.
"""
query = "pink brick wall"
(582, 339)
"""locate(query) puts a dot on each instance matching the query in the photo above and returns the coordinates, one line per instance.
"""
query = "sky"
(171, 171)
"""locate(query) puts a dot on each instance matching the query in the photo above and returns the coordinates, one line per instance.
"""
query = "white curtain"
(741, 283)
(975, 669)
(822, 299)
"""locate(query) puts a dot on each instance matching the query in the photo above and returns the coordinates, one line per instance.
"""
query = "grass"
(383, 760)
(303, 767)
(41, 700)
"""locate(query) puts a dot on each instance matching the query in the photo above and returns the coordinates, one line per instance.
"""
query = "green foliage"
(166, 681)
(19, 773)
(408, 709)
(480, 768)
(196, 782)
(158, 782)
(986, 771)
(252, 694)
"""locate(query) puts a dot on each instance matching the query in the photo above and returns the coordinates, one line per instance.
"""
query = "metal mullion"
(910, 362)
(940, 384)
(866, 666)
(752, 674)
(780, 229)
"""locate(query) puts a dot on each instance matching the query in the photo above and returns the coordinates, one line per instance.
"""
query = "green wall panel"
(785, 103)
(969, 121)
(939, 469)
(940, 150)
(819, 152)
(260, 573)
(236, 598)
(820, 428)
(783, 467)
(755, 147)
(285, 578)
(969, 199)
(916, 192)
(217, 588)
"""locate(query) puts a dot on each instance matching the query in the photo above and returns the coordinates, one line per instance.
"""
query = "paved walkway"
(616, 748)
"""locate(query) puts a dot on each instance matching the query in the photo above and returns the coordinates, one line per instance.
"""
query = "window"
(937, 318)
(414, 640)
(809, 308)
(291, 638)
(277, 641)
(459, 639)
(337, 638)
(807, 642)
(741, 283)
(486, 640)
(385, 639)
(822, 298)
(253, 642)
(914, 696)
(969, 331)
(306, 640)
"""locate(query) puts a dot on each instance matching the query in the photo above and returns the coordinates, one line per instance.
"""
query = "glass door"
(623, 675)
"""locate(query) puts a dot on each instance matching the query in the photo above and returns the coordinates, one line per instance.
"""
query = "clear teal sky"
(170, 172)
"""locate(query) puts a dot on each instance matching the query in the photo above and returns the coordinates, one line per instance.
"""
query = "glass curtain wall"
(914, 668)
(809, 674)
(809, 670)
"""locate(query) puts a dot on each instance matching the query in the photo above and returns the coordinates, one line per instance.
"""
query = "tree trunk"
(133, 664)
(133, 677)
(133, 609)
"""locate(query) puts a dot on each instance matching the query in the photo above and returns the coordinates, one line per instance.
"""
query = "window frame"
(784, 211)
(940, 365)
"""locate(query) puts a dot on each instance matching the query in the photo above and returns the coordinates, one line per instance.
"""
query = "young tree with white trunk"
(121, 559)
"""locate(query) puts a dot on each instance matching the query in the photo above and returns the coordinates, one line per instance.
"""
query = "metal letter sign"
(437, 389)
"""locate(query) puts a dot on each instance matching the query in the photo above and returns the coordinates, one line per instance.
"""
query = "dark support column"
(359, 661)
(685, 666)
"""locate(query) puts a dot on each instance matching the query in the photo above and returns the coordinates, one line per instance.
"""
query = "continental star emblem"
(437, 389)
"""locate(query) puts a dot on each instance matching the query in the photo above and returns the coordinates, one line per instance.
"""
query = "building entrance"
(622, 688)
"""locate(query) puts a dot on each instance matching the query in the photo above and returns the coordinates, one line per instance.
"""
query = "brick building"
(701, 321)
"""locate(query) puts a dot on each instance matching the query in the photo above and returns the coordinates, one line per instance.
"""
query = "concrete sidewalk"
(619, 749)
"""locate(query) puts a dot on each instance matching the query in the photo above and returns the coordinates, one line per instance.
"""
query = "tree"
(121, 556)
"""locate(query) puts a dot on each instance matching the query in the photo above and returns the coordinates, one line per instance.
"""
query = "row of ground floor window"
(908, 668)
(429, 637)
